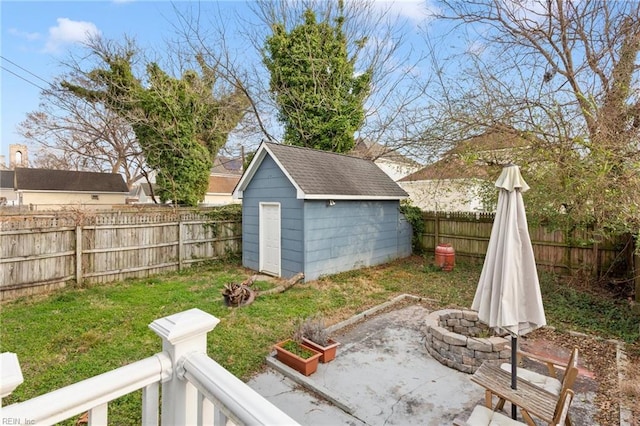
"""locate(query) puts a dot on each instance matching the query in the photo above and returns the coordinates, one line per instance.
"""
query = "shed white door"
(270, 238)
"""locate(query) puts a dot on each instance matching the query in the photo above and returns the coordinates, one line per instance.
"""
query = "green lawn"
(74, 334)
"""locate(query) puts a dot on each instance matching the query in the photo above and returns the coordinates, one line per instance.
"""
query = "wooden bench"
(532, 400)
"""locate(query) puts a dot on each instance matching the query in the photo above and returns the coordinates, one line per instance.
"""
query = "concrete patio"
(383, 375)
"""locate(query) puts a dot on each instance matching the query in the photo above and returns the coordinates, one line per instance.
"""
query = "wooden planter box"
(328, 352)
(306, 366)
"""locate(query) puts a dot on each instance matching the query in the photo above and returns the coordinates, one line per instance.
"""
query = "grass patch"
(74, 334)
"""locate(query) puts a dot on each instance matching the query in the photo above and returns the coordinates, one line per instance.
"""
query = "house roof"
(323, 175)
(146, 188)
(68, 180)
(498, 145)
(6, 179)
(496, 138)
(374, 151)
(448, 168)
(222, 184)
(225, 165)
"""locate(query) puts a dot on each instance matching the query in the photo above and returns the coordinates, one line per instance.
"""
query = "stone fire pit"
(453, 337)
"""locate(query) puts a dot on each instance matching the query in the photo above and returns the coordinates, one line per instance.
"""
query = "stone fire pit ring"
(453, 338)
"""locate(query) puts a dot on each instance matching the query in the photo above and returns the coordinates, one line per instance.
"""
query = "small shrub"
(415, 217)
(312, 328)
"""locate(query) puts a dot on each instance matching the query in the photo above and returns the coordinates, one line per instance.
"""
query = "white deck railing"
(196, 390)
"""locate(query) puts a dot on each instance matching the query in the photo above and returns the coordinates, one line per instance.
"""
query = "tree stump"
(236, 295)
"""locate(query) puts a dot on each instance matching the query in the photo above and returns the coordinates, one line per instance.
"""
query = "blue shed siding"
(352, 234)
(269, 184)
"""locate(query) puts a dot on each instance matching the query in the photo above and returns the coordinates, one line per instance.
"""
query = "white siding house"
(43, 189)
(460, 180)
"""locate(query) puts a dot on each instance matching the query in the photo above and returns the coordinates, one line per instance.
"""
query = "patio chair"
(483, 416)
(549, 382)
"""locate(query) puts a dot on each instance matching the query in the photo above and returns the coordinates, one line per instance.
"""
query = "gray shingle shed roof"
(68, 180)
(323, 175)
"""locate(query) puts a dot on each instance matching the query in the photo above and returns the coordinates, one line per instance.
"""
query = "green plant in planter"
(298, 356)
(295, 348)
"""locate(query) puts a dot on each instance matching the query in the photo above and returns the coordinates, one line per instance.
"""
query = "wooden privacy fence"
(559, 251)
(40, 253)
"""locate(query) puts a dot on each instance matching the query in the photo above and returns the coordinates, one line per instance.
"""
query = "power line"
(24, 69)
(23, 78)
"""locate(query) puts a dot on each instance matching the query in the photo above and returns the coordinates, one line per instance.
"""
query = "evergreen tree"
(179, 124)
(319, 95)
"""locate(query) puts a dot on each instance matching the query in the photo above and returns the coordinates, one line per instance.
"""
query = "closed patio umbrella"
(508, 295)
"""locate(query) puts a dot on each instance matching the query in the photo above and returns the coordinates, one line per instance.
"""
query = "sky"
(36, 35)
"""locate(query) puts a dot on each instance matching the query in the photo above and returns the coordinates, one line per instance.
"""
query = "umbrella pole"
(514, 371)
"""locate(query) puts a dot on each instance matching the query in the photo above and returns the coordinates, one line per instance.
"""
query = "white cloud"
(415, 10)
(69, 32)
(24, 34)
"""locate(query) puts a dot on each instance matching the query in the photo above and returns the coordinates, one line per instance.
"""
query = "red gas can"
(445, 257)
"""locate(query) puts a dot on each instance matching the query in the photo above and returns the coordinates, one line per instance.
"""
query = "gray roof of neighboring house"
(225, 165)
(6, 179)
(321, 174)
(68, 180)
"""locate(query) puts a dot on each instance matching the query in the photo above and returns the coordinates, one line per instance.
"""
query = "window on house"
(95, 197)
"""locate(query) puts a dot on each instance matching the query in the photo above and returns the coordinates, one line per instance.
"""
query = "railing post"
(182, 333)
(10, 373)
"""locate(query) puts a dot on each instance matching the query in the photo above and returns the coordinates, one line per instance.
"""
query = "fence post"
(180, 244)
(78, 255)
(182, 333)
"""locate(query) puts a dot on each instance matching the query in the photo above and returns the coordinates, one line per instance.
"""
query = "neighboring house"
(224, 177)
(43, 189)
(449, 184)
(227, 166)
(318, 213)
(220, 190)
(143, 194)
(395, 165)
(8, 196)
(458, 181)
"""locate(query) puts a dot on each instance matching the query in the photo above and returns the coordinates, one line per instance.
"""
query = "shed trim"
(349, 197)
(255, 165)
(264, 149)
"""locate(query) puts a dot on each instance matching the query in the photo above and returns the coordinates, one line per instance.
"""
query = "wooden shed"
(318, 213)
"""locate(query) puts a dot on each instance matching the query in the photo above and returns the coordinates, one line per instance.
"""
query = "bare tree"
(71, 133)
(566, 72)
